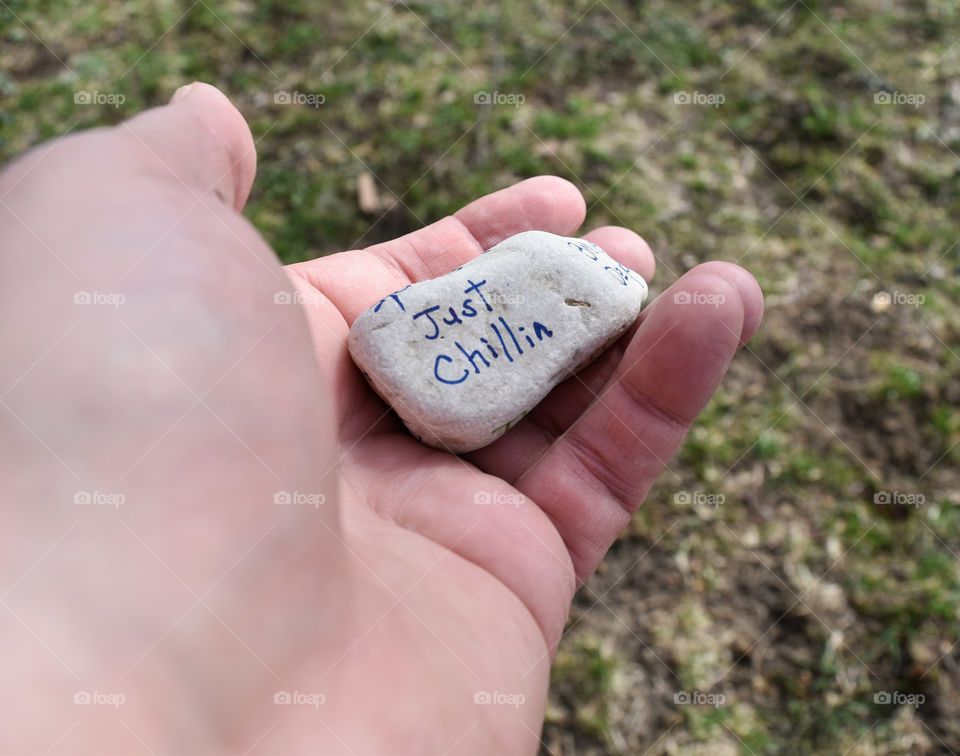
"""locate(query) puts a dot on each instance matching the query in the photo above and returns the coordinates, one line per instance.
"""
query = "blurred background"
(792, 583)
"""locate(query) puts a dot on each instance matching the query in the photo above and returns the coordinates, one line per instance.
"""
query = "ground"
(791, 585)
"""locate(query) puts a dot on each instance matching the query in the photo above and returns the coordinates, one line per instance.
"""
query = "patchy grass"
(802, 595)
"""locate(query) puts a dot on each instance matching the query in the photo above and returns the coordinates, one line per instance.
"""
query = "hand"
(402, 598)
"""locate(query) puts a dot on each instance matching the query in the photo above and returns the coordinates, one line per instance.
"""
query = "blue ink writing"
(466, 310)
(464, 360)
(436, 328)
(395, 298)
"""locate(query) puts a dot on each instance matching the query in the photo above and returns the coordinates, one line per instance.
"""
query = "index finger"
(356, 279)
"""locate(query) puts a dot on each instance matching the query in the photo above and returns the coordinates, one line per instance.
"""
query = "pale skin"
(393, 595)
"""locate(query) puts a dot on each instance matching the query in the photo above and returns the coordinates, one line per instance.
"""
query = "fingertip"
(625, 246)
(199, 139)
(551, 203)
(542, 203)
(684, 344)
(564, 204)
(746, 286)
(221, 117)
(707, 311)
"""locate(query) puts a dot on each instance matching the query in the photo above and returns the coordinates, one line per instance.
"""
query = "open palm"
(490, 546)
(416, 608)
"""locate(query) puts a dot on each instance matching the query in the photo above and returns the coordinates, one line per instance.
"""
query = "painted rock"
(461, 358)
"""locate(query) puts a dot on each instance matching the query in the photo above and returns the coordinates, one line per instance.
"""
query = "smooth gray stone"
(461, 358)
